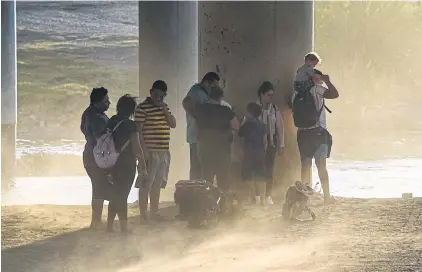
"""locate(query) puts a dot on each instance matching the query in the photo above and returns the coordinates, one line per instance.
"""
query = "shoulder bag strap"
(125, 145)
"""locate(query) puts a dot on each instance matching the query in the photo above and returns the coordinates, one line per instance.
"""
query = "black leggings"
(215, 162)
(119, 208)
(269, 169)
(123, 181)
(195, 163)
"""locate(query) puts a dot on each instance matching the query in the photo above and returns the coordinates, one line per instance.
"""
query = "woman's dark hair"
(126, 105)
(265, 87)
(97, 95)
(216, 93)
(254, 109)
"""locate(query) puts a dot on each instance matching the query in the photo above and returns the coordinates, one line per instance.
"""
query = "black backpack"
(305, 112)
(198, 202)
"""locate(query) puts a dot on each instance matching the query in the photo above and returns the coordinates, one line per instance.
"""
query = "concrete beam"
(8, 91)
(168, 50)
(249, 42)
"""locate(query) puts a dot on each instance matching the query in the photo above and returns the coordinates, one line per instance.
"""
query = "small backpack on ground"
(198, 202)
(105, 153)
(305, 112)
(296, 203)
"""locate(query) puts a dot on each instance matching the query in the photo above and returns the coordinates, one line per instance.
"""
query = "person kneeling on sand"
(254, 134)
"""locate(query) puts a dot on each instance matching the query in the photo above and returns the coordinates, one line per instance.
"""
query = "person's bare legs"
(251, 191)
(98, 190)
(321, 164)
(306, 171)
(143, 202)
(97, 211)
(261, 189)
(155, 198)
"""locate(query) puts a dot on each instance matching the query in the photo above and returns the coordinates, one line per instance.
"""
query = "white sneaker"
(257, 200)
(270, 201)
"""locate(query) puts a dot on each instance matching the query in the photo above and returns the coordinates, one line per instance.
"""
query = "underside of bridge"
(245, 42)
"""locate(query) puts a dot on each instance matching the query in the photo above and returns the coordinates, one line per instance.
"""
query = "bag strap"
(127, 142)
(124, 146)
(327, 108)
(323, 104)
(118, 124)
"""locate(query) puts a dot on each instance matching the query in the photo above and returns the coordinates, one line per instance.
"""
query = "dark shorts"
(314, 143)
(215, 162)
(253, 166)
(123, 177)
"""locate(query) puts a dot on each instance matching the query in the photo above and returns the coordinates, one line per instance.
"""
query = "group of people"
(211, 126)
(142, 135)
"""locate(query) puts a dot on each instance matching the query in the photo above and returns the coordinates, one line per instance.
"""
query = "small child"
(254, 134)
(303, 79)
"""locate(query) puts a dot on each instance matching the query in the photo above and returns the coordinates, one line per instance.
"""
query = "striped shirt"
(156, 130)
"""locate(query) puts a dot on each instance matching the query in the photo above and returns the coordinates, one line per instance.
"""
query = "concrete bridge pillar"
(249, 42)
(168, 50)
(8, 91)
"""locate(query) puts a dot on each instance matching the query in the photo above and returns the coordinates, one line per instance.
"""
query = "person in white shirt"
(315, 141)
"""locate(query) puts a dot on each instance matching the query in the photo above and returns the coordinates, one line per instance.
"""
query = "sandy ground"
(353, 235)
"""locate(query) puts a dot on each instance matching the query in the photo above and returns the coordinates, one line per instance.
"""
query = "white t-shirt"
(318, 94)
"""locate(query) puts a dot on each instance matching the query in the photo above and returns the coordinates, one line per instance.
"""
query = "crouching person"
(254, 134)
(154, 120)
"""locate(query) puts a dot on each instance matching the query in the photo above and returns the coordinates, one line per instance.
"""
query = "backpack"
(105, 153)
(198, 202)
(305, 112)
(296, 201)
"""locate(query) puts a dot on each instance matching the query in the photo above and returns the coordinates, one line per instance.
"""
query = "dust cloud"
(372, 52)
(245, 248)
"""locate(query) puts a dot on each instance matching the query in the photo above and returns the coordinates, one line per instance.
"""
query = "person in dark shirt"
(93, 122)
(215, 124)
(126, 140)
(254, 134)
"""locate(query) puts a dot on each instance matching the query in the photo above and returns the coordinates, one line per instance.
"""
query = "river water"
(386, 178)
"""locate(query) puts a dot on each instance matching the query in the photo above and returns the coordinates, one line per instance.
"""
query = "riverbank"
(353, 235)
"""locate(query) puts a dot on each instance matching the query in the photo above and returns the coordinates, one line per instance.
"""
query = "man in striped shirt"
(154, 120)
